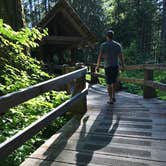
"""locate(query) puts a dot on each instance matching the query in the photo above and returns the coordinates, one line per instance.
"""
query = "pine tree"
(12, 13)
(164, 30)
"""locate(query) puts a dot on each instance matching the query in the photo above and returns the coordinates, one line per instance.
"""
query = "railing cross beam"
(148, 92)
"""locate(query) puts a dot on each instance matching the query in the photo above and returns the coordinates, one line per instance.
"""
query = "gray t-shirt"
(110, 51)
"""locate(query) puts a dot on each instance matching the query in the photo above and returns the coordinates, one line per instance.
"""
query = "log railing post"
(148, 92)
(94, 79)
(67, 69)
(80, 107)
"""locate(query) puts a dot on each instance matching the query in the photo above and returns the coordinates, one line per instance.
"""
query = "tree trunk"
(46, 5)
(164, 29)
(12, 13)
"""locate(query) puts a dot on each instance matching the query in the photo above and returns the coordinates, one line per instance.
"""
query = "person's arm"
(121, 57)
(98, 61)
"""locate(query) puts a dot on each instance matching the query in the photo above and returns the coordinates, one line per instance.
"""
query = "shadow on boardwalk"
(84, 149)
(130, 132)
(87, 143)
(85, 136)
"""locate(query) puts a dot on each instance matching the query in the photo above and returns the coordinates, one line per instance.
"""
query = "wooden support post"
(94, 79)
(67, 69)
(149, 92)
(77, 85)
(118, 86)
(78, 109)
(81, 106)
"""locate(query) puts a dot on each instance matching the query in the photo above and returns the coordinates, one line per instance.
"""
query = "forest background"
(139, 25)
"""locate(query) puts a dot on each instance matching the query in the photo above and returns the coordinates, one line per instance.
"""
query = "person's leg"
(109, 89)
(113, 90)
(115, 72)
(110, 93)
(109, 81)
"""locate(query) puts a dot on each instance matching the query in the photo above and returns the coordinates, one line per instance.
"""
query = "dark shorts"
(111, 74)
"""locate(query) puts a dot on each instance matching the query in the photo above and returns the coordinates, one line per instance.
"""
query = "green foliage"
(88, 77)
(23, 115)
(131, 55)
(91, 13)
(19, 70)
(160, 77)
(137, 89)
(137, 22)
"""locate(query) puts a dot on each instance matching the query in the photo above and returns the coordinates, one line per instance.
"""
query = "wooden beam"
(13, 99)
(123, 79)
(149, 92)
(134, 67)
(155, 66)
(74, 23)
(62, 40)
(156, 85)
(142, 66)
(17, 140)
(132, 80)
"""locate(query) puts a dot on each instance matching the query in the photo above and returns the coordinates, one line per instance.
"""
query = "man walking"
(111, 51)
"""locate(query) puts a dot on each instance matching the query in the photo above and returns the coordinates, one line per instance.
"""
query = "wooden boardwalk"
(131, 132)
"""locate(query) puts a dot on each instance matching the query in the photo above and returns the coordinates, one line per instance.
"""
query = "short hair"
(110, 34)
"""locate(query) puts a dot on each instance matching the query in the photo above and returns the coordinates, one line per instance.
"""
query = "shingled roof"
(64, 16)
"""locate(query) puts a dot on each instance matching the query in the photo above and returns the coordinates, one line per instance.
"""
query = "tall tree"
(133, 22)
(12, 13)
(91, 12)
(164, 29)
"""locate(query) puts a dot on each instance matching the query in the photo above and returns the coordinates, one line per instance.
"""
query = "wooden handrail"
(17, 140)
(124, 79)
(81, 90)
(155, 66)
(147, 82)
(134, 67)
(132, 80)
(140, 66)
(15, 98)
(155, 85)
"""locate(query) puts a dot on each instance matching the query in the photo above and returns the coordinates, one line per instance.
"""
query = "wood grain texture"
(17, 140)
(15, 98)
(129, 132)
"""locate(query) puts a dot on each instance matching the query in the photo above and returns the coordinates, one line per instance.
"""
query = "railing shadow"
(87, 142)
(84, 153)
(50, 155)
(85, 136)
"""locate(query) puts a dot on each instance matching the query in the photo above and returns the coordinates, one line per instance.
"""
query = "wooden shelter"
(66, 32)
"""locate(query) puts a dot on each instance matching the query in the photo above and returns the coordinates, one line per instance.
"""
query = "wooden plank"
(134, 67)
(131, 67)
(132, 80)
(155, 66)
(62, 40)
(156, 85)
(112, 140)
(141, 66)
(124, 79)
(17, 140)
(74, 23)
(148, 92)
(15, 98)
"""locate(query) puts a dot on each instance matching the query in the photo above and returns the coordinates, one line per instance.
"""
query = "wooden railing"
(78, 100)
(150, 86)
